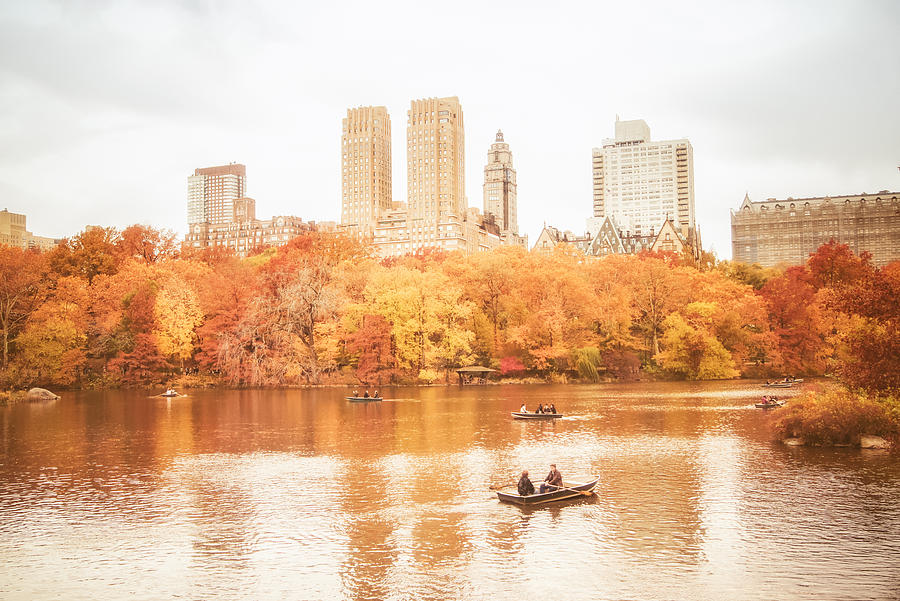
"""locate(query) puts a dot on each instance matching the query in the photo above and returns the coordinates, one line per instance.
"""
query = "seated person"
(522, 409)
(552, 408)
(525, 486)
(365, 396)
(553, 480)
(375, 396)
(540, 409)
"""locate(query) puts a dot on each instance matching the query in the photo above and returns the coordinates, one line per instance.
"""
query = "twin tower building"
(436, 214)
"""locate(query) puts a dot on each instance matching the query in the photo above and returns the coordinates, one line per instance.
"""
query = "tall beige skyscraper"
(641, 182)
(366, 168)
(436, 215)
(212, 192)
(436, 159)
(500, 186)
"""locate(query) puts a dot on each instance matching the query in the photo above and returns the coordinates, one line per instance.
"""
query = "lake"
(299, 494)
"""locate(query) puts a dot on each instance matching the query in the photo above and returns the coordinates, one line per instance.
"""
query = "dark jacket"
(554, 478)
(525, 486)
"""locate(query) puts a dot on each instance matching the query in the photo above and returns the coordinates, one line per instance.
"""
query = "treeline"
(131, 307)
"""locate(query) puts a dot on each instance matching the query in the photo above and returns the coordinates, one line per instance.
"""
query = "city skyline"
(773, 99)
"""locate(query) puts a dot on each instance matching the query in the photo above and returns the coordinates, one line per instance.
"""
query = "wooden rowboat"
(363, 399)
(778, 385)
(769, 405)
(520, 415)
(572, 489)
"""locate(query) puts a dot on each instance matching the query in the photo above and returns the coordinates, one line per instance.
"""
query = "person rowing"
(522, 409)
(552, 481)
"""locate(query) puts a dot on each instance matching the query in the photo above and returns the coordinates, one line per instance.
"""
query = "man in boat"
(553, 408)
(366, 395)
(522, 409)
(552, 481)
(375, 396)
(540, 408)
(525, 486)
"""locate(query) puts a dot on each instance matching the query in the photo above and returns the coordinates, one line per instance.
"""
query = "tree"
(178, 315)
(91, 253)
(51, 348)
(795, 317)
(372, 343)
(146, 244)
(835, 264)
(23, 286)
(690, 351)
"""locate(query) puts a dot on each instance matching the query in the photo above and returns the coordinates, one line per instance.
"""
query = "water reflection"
(299, 494)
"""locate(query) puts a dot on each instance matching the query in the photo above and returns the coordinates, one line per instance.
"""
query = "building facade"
(500, 192)
(774, 232)
(245, 237)
(13, 232)
(212, 192)
(642, 182)
(436, 214)
(365, 168)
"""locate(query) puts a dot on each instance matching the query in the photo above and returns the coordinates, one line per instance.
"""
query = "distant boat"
(526, 415)
(572, 489)
(170, 393)
(778, 384)
(771, 405)
(363, 399)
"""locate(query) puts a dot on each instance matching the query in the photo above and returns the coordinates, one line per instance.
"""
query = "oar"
(586, 493)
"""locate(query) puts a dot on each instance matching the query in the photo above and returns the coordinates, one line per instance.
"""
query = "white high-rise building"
(642, 183)
(212, 192)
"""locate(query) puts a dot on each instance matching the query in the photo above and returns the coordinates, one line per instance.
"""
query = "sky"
(106, 107)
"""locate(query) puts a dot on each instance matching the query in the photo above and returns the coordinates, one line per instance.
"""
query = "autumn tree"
(23, 286)
(795, 319)
(91, 253)
(146, 244)
(689, 347)
(372, 344)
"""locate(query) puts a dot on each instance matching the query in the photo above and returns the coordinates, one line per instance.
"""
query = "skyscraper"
(643, 183)
(212, 192)
(500, 191)
(366, 168)
(436, 214)
(436, 158)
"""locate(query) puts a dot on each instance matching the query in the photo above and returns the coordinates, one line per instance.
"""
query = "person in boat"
(540, 408)
(375, 396)
(366, 395)
(522, 409)
(552, 481)
(525, 486)
(355, 393)
(553, 408)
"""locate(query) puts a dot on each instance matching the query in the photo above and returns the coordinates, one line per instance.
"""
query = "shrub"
(836, 417)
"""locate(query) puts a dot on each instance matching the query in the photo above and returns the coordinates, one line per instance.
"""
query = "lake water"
(298, 494)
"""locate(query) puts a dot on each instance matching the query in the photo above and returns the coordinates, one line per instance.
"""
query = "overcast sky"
(107, 107)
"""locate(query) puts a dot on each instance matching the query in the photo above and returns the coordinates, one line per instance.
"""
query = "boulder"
(867, 441)
(41, 394)
(794, 442)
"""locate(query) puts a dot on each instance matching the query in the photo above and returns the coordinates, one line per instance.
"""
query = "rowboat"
(769, 405)
(363, 399)
(169, 393)
(570, 490)
(520, 415)
(778, 385)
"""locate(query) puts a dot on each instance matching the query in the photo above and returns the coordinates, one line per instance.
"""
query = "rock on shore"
(867, 441)
(41, 394)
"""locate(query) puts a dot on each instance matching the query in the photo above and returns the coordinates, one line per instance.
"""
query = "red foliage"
(373, 343)
(790, 299)
(834, 265)
(511, 365)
